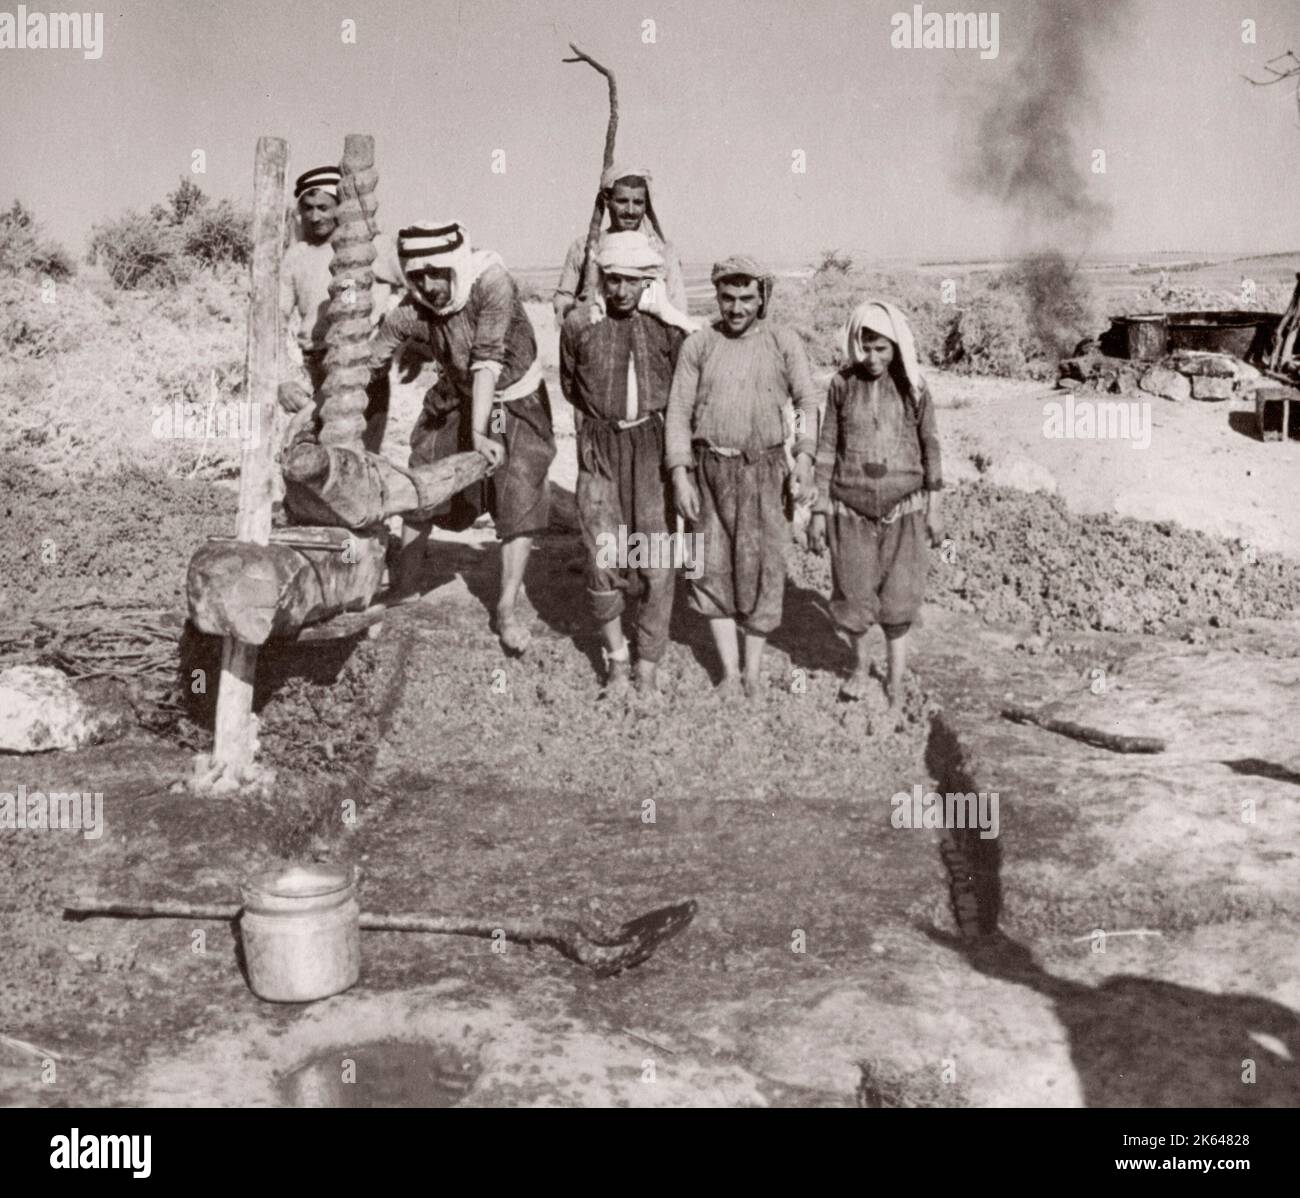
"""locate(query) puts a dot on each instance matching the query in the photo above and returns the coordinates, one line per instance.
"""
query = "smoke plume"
(1025, 150)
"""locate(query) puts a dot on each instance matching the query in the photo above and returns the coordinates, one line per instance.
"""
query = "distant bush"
(219, 234)
(139, 251)
(166, 246)
(23, 250)
(1015, 323)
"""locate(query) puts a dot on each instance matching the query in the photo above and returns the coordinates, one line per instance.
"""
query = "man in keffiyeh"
(878, 482)
(617, 373)
(463, 310)
(626, 188)
(725, 446)
(304, 289)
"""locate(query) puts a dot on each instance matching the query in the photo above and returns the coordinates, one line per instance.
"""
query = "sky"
(716, 97)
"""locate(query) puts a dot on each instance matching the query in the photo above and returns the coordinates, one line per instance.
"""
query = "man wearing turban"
(617, 372)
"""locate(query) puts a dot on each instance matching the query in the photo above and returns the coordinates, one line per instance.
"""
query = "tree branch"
(589, 272)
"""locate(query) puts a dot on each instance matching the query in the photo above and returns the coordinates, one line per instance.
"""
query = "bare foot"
(893, 694)
(647, 677)
(514, 633)
(618, 680)
(728, 687)
(855, 687)
(753, 687)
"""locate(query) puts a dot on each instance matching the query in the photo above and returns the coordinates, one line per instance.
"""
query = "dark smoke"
(1025, 150)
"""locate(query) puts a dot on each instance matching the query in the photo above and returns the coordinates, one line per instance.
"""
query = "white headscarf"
(626, 170)
(630, 253)
(885, 320)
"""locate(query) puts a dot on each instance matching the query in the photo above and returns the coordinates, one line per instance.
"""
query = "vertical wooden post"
(347, 363)
(234, 743)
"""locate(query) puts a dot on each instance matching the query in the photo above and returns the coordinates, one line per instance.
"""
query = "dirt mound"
(126, 536)
(1024, 559)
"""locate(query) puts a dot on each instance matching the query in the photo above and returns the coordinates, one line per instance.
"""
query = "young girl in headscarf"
(878, 481)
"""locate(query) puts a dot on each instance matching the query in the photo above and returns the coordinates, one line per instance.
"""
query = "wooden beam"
(234, 746)
(252, 593)
(325, 484)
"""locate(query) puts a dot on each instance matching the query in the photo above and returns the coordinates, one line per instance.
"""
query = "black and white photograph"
(739, 554)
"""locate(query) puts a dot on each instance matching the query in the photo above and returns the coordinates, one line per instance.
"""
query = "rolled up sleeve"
(496, 307)
(398, 326)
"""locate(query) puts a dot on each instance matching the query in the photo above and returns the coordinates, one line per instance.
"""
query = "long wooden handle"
(159, 909)
(454, 925)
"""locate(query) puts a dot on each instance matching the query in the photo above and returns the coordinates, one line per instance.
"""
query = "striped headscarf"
(319, 178)
(443, 245)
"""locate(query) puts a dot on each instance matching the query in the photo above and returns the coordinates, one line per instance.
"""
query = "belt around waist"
(620, 425)
(750, 455)
(917, 501)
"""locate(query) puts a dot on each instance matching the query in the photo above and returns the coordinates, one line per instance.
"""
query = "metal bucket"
(301, 932)
(1146, 336)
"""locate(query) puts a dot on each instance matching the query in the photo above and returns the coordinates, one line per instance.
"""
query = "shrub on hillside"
(139, 251)
(217, 234)
(165, 247)
(1016, 323)
(23, 250)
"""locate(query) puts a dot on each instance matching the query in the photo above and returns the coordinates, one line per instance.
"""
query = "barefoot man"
(617, 373)
(725, 440)
(464, 312)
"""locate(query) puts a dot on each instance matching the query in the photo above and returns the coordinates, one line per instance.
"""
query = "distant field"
(1121, 280)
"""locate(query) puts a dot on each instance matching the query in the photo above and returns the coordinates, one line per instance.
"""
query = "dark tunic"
(620, 469)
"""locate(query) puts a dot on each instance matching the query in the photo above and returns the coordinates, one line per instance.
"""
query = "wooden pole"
(233, 746)
(589, 279)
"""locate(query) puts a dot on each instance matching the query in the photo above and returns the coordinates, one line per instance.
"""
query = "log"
(256, 592)
(1114, 741)
(233, 745)
(354, 489)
